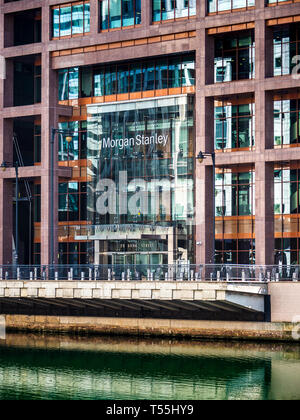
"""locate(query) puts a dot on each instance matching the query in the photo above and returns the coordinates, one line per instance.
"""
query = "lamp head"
(69, 139)
(200, 157)
(3, 166)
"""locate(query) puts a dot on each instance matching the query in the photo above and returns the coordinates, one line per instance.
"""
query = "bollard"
(82, 276)
(56, 276)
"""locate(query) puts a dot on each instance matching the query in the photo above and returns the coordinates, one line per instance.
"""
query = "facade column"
(146, 13)
(204, 251)
(264, 140)
(264, 213)
(6, 193)
(94, 13)
(6, 154)
(48, 120)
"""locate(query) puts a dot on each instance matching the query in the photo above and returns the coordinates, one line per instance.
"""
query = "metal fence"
(178, 272)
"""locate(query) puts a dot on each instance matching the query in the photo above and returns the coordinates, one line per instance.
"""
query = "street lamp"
(4, 166)
(201, 156)
(69, 136)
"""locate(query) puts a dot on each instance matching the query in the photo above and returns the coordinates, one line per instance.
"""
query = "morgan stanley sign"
(138, 140)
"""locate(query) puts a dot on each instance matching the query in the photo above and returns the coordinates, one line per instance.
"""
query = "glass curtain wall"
(141, 190)
(234, 126)
(234, 57)
(172, 9)
(116, 14)
(137, 76)
(235, 216)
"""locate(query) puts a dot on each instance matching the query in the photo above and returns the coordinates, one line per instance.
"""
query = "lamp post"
(69, 137)
(4, 166)
(201, 156)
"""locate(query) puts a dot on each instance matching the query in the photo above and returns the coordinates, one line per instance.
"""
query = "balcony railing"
(178, 272)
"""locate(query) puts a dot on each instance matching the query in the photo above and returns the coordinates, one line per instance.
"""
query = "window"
(116, 14)
(234, 57)
(286, 213)
(76, 149)
(286, 45)
(71, 20)
(234, 126)
(172, 9)
(68, 84)
(72, 253)
(235, 221)
(221, 6)
(276, 2)
(141, 76)
(286, 122)
(72, 201)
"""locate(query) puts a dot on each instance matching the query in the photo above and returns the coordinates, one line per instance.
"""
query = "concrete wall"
(258, 331)
(285, 301)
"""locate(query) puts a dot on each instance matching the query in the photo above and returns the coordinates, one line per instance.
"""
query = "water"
(60, 367)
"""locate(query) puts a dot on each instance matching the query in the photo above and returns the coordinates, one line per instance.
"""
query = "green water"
(59, 367)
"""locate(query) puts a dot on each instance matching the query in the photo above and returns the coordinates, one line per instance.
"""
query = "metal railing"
(178, 272)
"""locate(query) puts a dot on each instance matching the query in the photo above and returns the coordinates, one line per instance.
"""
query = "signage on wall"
(138, 140)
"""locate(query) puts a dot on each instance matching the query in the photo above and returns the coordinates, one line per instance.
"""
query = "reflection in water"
(36, 367)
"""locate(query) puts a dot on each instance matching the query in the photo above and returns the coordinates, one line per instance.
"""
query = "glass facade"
(234, 126)
(176, 72)
(286, 122)
(235, 57)
(71, 19)
(120, 13)
(140, 191)
(287, 214)
(141, 76)
(172, 9)
(235, 216)
(286, 45)
(221, 6)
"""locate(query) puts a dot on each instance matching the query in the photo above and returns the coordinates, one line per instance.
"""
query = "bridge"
(236, 293)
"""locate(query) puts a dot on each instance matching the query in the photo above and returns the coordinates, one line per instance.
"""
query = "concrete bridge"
(193, 300)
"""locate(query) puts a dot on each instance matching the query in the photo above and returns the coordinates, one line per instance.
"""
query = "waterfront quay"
(212, 301)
